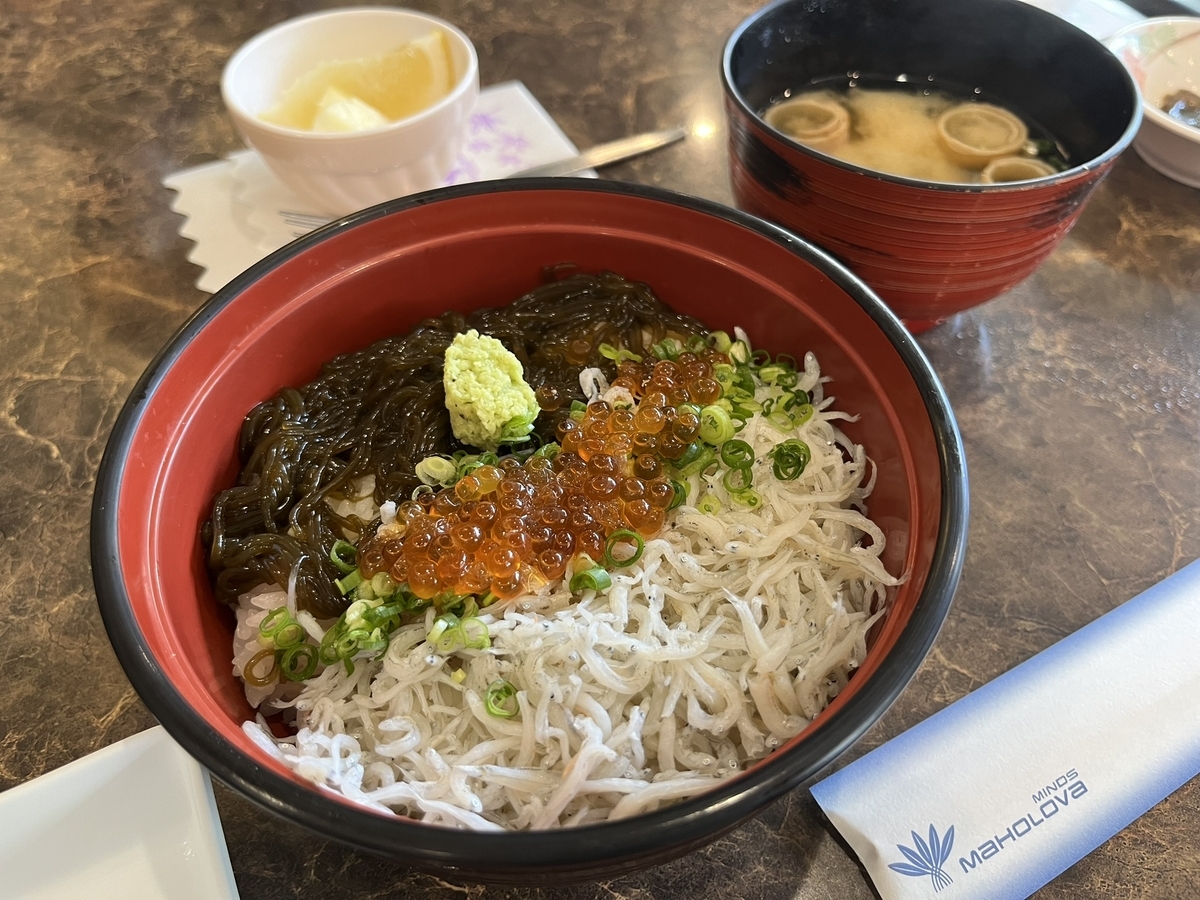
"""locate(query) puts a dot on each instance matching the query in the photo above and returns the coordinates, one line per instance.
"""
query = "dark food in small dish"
(1183, 106)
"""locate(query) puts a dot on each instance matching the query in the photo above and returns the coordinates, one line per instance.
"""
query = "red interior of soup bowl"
(378, 273)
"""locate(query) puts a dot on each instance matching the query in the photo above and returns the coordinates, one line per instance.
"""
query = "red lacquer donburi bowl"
(929, 249)
(378, 273)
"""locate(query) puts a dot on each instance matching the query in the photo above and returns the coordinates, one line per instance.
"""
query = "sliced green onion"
(289, 635)
(350, 582)
(500, 700)
(436, 470)
(299, 662)
(593, 579)
(738, 480)
(744, 409)
(488, 599)
(608, 351)
(449, 641)
(705, 458)
(716, 425)
(739, 352)
(250, 674)
(327, 652)
(375, 640)
(578, 409)
(516, 430)
(347, 644)
(696, 344)
(770, 374)
(803, 413)
(759, 358)
(720, 340)
(737, 454)
(343, 554)
(617, 538)
(468, 462)
(781, 421)
(779, 372)
(383, 585)
(667, 348)
(382, 614)
(725, 375)
(447, 601)
(274, 622)
(748, 498)
(465, 464)
(680, 497)
(690, 455)
(709, 504)
(789, 459)
(442, 624)
(474, 633)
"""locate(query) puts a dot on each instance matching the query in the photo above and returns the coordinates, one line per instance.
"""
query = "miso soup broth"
(916, 132)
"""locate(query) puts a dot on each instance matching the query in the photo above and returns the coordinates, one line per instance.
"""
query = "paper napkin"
(237, 211)
(1000, 792)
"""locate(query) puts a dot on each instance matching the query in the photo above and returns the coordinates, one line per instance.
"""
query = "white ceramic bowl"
(1163, 56)
(344, 172)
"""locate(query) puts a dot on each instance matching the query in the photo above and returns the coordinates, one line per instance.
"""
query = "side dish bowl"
(930, 249)
(342, 172)
(379, 272)
(1163, 56)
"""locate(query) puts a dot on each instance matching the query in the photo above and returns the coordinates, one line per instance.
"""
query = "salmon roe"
(513, 527)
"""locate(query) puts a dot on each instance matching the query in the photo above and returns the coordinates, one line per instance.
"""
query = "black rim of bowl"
(690, 822)
(1097, 162)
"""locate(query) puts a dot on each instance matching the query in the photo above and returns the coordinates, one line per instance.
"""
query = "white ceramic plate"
(1163, 56)
(1099, 18)
(134, 820)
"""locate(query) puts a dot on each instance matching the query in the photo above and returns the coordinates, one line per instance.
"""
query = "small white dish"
(134, 821)
(1163, 56)
(342, 172)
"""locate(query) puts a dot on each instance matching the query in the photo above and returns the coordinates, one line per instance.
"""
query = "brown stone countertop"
(1078, 396)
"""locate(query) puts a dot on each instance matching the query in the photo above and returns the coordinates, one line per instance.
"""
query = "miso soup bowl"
(929, 249)
(380, 272)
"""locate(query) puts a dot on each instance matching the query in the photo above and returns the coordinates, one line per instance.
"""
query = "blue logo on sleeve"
(927, 858)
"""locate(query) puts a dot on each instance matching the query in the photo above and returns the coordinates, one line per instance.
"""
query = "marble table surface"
(1078, 396)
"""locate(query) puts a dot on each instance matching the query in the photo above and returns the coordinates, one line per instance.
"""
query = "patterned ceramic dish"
(1163, 55)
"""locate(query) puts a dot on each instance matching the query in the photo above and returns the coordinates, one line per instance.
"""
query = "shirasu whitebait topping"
(736, 626)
